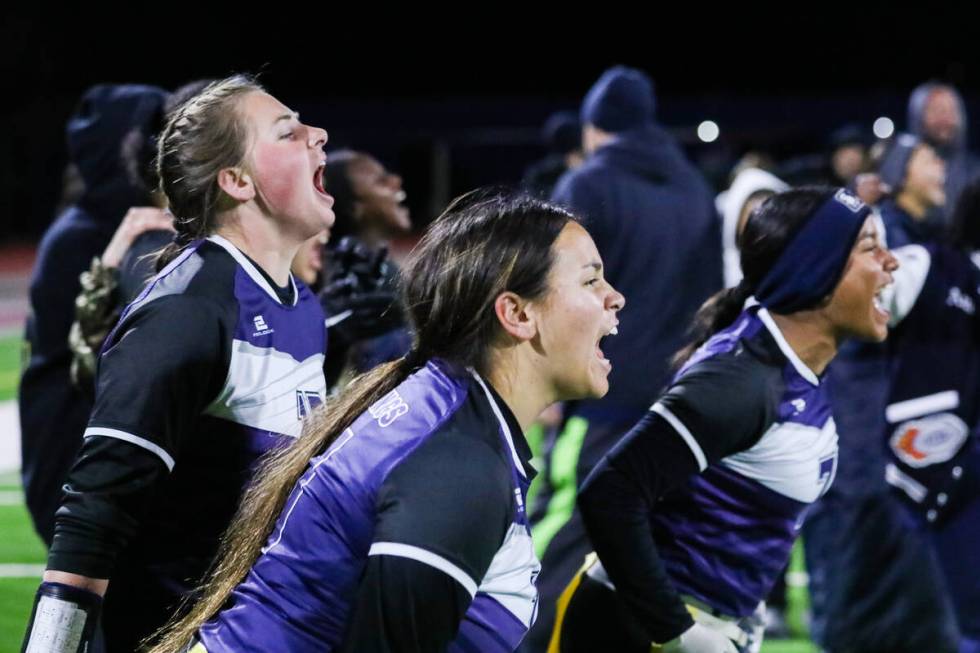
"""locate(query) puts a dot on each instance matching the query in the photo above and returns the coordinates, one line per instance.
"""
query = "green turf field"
(10, 350)
(20, 546)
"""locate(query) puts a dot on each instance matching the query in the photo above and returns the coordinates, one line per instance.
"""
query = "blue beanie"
(622, 99)
(562, 133)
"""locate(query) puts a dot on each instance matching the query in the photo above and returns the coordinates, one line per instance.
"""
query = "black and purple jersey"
(408, 533)
(758, 422)
(705, 496)
(210, 367)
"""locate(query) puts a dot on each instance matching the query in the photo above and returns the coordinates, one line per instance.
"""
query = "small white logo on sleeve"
(850, 201)
(261, 328)
(389, 408)
(799, 405)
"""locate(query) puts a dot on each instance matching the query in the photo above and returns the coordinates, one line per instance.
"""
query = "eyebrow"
(287, 116)
(868, 235)
(594, 264)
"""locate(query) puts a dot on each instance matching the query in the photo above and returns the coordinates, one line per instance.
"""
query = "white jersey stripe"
(133, 439)
(425, 557)
(784, 347)
(659, 409)
(503, 424)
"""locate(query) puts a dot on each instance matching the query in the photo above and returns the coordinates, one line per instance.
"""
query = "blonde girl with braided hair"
(216, 362)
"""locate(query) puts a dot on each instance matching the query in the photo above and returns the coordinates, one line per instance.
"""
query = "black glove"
(360, 297)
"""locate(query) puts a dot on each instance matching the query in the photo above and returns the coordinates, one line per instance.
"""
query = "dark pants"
(559, 535)
(874, 583)
(956, 542)
(595, 619)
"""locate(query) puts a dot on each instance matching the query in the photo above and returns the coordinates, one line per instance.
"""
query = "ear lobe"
(236, 183)
(516, 321)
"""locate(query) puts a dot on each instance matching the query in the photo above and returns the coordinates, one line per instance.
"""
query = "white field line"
(21, 571)
(11, 498)
(9, 436)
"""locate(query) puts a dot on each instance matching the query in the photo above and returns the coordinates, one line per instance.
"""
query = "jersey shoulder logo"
(389, 408)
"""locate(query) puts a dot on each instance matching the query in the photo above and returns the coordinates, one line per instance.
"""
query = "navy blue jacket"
(53, 413)
(651, 215)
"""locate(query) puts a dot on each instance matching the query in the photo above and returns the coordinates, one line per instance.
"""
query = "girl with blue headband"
(694, 512)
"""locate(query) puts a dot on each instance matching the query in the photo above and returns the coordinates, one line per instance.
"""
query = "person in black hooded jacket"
(653, 219)
(53, 414)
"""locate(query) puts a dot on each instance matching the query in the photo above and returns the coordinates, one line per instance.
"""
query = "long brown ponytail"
(480, 247)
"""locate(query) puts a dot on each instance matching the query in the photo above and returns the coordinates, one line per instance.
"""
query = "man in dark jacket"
(53, 414)
(652, 217)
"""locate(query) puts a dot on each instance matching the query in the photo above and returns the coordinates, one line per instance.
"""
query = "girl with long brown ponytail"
(398, 520)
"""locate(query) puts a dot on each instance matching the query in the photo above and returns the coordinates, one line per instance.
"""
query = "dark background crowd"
(812, 98)
(454, 102)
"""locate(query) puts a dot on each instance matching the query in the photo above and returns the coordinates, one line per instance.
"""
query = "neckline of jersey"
(504, 426)
(784, 347)
(252, 271)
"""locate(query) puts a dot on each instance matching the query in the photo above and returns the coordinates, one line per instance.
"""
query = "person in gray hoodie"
(937, 115)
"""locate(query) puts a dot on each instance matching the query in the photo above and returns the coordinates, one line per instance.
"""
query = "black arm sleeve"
(155, 379)
(617, 498)
(443, 514)
(102, 505)
(404, 605)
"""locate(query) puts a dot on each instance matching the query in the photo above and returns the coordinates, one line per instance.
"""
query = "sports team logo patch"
(929, 440)
(850, 201)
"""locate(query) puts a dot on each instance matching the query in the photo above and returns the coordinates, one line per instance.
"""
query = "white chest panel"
(269, 390)
(511, 575)
(795, 460)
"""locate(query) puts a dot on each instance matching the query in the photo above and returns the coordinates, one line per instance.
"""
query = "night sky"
(499, 64)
